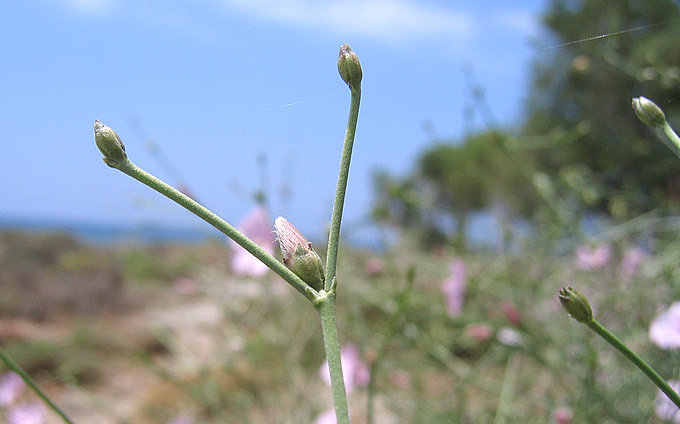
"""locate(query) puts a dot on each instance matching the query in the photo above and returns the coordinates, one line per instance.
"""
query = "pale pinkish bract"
(256, 225)
(664, 331)
(355, 371)
(588, 258)
(664, 408)
(454, 286)
(289, 238)
(11, 387)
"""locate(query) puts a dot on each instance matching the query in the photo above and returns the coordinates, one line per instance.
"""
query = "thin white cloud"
(389, 20)
(90, 7)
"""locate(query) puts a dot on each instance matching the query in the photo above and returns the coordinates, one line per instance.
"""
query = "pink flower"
(375, 267)
(588, 258)
(664, 331)
(562, 415)
(26, 413)
(479, 332)
(631, 261)
(664, 408)
(454, 285)
(11, 386)
(256, 225)
(355, 371)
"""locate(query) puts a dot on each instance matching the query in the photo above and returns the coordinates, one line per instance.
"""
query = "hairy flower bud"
(298, 254)
(648, 112)
(576, 304)
(349, 67)
(109, 144)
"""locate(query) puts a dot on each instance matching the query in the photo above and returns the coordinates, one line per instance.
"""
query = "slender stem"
(329, 329)
(211, 218)
(336, 219)
(9, 363)
(635, 359)
(674, 144)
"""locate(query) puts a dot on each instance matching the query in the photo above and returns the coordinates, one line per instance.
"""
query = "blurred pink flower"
(593, 257)
(664, 331)
(375, 267)
(354, 370)
(257, 226)
(326, 417)
(26, 413)
(11, 386)
(664, 408)
(454, 285)
(478, 332)
(631, 261)
(562, 415)
(511, 313)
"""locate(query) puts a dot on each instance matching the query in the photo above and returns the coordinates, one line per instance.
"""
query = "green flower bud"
(576, 304)
(298, 254)
(648, 112)
(349, 67)
(109, 144)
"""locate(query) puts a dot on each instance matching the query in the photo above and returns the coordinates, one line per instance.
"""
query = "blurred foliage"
(454, 180)
(581, 151)
(592, 144)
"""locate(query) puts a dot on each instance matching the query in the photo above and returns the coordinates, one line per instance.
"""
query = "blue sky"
(217, 83)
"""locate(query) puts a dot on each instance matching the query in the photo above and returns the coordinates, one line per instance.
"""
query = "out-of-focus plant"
(578, 103)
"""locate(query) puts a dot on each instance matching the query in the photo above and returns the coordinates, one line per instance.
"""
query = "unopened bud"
(349, 67)
(298, 254)
(648, 112)
(576, 304)
(109, 144)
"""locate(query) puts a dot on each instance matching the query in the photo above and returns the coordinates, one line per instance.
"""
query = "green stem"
(635, 359)
(674, 144)
(9, 363)
(329, 329)
(336, 219)
(211, 218)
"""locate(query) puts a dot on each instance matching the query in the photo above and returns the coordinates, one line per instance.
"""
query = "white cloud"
(389, 20)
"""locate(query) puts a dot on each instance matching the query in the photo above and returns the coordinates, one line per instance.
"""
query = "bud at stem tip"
(109, 144)
(576, 304)
(350, 68)
(648, 112)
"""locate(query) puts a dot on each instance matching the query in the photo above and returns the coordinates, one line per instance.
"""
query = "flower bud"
(298, 254)
(349, 67)
(576, 304)
(109, 144)
(648, 112)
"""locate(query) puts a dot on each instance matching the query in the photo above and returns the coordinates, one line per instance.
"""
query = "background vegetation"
(171, 334)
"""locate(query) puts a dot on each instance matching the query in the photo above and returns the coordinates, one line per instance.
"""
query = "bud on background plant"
(349, 67)
(648, 112)
(298, 254)
(109, 144)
